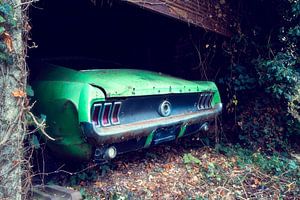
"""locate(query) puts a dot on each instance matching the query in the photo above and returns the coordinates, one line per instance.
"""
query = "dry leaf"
(233, 160)
(8, 41)
(27, 27)
(15, 162)
(98, 184)
(82, 183)
(168, 166)
(18, 93)
(222, 193)
(256, 181)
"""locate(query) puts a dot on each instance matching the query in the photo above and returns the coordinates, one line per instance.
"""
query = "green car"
(100, 113)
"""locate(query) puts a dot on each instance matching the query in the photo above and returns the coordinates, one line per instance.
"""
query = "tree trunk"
(12, 101)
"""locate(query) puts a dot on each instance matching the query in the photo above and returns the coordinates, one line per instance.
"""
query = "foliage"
(279, 75)
(275, 164)
(7, 23)
(239, 80)
(226, 172)
(82, 177)
(189, 158)
(270, 64)
(254, 172)
(261, 126)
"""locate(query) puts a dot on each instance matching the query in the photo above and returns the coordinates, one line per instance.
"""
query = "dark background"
(114, 34)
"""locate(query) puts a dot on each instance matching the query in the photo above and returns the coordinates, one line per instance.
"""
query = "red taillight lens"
(106, 114)
(115, 113)
(96, 113)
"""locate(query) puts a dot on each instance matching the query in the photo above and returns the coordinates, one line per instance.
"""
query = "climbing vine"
(264, 77)
(7, 24)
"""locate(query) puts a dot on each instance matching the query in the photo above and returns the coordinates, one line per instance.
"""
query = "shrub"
(266, 72)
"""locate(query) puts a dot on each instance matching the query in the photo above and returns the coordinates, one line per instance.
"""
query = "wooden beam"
(212, 15)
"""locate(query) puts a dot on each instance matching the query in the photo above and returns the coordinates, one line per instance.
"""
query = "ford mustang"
(100, 113)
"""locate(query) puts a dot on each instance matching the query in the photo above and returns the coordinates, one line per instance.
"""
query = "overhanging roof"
(213, 15)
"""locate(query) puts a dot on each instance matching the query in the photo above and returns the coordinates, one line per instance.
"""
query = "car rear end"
(97, 114)
(130, 123)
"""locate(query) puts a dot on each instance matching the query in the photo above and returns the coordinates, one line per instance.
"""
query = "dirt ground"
(184, 170)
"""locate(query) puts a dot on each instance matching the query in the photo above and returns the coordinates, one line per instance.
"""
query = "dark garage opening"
(113, 34)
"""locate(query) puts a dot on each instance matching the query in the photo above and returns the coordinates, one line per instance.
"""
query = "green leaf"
(2, 19)
(6, 9)
(293, 165)
(35, 142)
(2, 29)
(29, 91)
(189, 158)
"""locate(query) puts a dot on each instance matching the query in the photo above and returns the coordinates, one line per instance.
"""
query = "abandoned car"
(100, 113)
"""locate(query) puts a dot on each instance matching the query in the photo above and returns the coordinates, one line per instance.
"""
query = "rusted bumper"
(120, 133)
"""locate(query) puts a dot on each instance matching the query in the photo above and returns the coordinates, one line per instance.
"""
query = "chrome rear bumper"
(119, 133)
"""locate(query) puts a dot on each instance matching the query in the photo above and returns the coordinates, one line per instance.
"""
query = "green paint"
(66, 96)
(182, 130)
(149, 139)
(211, 86)
(129, 82)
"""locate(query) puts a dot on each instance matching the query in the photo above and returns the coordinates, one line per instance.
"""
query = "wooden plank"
(212, 15)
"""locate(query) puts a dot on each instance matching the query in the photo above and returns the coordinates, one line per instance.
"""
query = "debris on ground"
(193, 172)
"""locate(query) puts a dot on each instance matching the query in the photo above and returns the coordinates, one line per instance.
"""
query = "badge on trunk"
(165, 109)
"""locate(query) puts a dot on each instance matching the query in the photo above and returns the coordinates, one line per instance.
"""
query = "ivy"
(280, 75)
(7, 24)
(264, 77)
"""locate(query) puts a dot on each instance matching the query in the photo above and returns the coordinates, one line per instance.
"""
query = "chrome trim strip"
(207, 99)
(211, 98)
(138, 127)
(199, 106)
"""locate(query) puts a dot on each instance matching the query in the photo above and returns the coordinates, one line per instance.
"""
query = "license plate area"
(166, 134)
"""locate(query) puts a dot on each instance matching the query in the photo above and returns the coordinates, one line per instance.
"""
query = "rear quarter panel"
(65, 105)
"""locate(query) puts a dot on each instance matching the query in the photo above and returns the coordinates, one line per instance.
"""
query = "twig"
(40, 126)
(26, 3)
(60, 170)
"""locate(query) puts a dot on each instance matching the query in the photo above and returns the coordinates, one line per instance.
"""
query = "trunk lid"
(129, 82)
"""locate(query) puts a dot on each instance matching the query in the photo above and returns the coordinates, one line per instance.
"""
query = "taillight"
(106, 114)
(115, 113)
(205, 100)
(96, 113)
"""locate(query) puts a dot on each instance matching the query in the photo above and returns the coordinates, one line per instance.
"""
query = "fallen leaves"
(164, 174)
(8, 41)
(19, 93)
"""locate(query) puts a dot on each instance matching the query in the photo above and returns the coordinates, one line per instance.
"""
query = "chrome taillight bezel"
(117, 114)
(109, 114)
(204, 101)
(113, 117)
(96, 123)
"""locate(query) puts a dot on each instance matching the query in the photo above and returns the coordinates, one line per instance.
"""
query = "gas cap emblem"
(165, 109)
